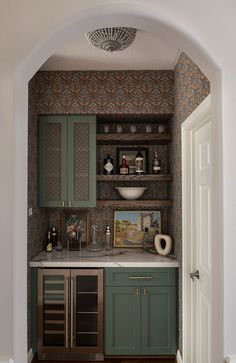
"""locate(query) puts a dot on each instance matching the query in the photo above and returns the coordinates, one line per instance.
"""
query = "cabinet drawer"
(140, 276)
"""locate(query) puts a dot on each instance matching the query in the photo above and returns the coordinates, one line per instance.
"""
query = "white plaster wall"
(28, 35)
(6, 211)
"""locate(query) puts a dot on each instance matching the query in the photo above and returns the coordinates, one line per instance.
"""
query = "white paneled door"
(202, 254)
(197, 245)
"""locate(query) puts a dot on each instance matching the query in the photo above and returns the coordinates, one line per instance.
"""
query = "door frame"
(200, 116)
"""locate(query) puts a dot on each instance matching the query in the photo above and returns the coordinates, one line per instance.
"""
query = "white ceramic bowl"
(131, 193)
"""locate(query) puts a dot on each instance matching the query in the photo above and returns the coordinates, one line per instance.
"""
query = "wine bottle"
(156, 164)
(124, 168)
(108, 167)
(139, 162)
(54, 237)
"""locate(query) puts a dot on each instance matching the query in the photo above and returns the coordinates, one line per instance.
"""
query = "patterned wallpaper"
(104, 93)
(131, 92)
(190, 88)
(101, 92)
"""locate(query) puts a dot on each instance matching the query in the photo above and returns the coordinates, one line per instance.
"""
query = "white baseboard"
(10, 360)
(230, 359)
(30, 356)
(178, 357)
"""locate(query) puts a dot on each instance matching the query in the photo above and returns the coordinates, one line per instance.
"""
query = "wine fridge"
(70, 314)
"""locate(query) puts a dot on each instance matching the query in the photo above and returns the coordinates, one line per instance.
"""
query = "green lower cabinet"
(158, 321)
(140, 320)
(122, 321)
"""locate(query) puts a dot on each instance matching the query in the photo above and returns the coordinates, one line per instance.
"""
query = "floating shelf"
(122, 203)
(152, 138)
(134, 177)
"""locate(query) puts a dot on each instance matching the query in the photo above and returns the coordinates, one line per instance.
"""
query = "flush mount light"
(111, 39)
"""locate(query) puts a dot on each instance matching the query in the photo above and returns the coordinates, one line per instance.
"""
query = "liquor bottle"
(124, 168)
(156, 164)
(108, 167)
(54, 237)
(146, 240)
(139, 162)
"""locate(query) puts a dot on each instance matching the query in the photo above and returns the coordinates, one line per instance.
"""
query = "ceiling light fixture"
(111, 39)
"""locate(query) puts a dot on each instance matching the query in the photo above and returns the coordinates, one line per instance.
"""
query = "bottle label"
(124, 171)
(139, 165)
(108, 167)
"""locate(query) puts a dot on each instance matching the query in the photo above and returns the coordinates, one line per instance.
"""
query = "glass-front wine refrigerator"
(70, 314)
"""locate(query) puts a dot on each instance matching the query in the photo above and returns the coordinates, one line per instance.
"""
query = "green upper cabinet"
(67, 161)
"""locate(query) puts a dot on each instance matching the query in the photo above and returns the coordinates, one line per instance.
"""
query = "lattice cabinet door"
(52, 161)
(82, 161)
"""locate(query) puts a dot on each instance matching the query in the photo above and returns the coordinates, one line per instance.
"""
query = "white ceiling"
(147, 52)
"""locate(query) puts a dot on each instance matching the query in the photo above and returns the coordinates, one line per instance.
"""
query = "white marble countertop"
(114, 258)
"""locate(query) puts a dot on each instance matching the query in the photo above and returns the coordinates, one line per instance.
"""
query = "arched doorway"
(125, 14)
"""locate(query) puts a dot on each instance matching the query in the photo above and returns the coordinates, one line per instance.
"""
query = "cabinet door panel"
(82, 161)
(130, 276)
(122, 321)
(87, 311)
(158, 316)
(52, 161)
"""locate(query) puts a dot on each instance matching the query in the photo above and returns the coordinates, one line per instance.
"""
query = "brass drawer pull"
(140, 277)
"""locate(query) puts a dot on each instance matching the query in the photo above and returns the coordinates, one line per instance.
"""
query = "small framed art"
(129, 227)
(74, 229)
(130, 154)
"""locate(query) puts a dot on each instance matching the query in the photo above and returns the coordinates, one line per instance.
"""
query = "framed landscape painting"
(129, 227)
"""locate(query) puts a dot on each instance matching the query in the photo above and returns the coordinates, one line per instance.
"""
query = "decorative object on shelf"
(74, 229)
(111, 39)
(161, 128)
(148, 129)
(139, 162)
(129, 227)
(94, 245)
(163, 244)
(124, 167)
(156, 164)
(108, 167)
(106, 129)
(119, 129)
(131, 193)
(130, 154)
(133, 128)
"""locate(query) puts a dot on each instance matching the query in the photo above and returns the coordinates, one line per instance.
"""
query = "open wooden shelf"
(134, 177)
(122, 203)
(135, 138)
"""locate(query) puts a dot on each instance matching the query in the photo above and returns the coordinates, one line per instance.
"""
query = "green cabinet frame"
(64, 155)
(141, 317)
